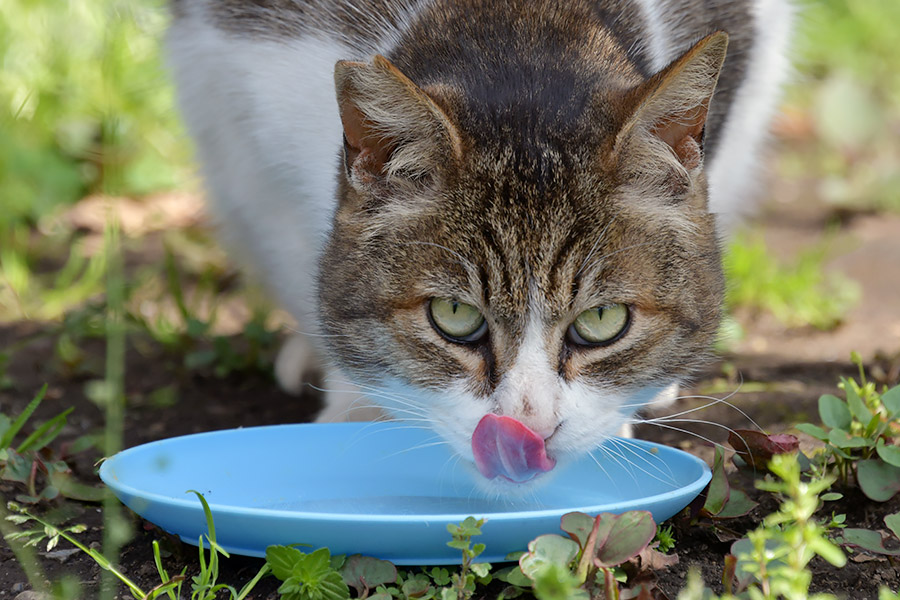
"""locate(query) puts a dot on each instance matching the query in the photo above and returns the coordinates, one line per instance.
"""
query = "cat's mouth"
(504, 447)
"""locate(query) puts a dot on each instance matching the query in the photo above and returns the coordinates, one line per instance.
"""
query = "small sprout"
(665, 538)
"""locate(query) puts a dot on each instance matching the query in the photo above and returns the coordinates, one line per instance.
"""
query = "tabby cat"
(498, 217)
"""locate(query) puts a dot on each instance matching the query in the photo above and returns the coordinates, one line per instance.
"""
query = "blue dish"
(379, 489)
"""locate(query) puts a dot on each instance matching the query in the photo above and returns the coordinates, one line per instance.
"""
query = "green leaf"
(556, 582)
(547, 550)
(867, 539)
(738, 505)
(17, 468)
(514, 576)
(361, 572)
(718, 489)
(440, 575)
(16, 425)
(893, 523)
(631, 532)
(889, 454)
(416, 587)
(891, 401)
(828, 551)
(858, 408)
(578, 525)
(877, 479)
(75, 490)
(481, 570)
(46, 433)
(281, 560)
(813, 430)
(834, 412)
(842, 439)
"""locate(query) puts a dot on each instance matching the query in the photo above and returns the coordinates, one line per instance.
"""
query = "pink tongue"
(504, 446)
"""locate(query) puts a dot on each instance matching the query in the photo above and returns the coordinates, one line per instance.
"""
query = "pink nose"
(504, 446)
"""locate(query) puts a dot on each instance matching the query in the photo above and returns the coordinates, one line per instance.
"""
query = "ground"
(773, 374)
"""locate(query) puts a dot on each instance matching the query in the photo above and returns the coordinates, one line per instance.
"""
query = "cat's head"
(500, 259)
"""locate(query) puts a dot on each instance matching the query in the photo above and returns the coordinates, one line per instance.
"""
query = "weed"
(862, 435)
(665, 538)
(35, 464)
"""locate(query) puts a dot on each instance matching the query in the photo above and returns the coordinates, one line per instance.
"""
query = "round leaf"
(630, 534)
(834, 412)
(891, 400)
(363, 572)
(878, 480)
(578, 525)
(889, 454)
(544, 550)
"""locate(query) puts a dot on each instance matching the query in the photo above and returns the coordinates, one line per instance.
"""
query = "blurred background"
(88, 129)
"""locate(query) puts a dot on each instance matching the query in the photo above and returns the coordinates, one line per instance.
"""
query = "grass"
(85, 109)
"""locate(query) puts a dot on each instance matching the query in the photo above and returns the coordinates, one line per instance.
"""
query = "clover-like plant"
(862, 436)
(584, 564)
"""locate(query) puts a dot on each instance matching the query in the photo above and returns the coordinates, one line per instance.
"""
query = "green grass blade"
(45, 434)
(22, 418)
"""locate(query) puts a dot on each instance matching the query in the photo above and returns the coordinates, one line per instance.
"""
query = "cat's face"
(555, 282)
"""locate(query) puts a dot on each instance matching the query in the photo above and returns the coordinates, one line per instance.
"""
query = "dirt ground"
(783, 374)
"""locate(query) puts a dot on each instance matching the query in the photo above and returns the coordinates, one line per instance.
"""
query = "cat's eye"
(600, 326)
(457, 321)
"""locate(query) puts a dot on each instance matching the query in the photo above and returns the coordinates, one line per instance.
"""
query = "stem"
(252, 583)
(587, 553)
(115, 400)
(24, 555)
(101, 560)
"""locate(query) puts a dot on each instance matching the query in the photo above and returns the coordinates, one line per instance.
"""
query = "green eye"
(458, 321)
(600, 326)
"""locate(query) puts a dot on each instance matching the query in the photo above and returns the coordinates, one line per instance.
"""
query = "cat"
(498, 218)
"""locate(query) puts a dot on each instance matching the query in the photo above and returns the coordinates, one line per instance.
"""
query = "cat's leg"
(298, 362)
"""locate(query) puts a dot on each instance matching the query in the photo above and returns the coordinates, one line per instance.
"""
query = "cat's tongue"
(504, 446)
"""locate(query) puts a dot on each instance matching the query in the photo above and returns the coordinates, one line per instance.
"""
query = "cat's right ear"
(392, 128)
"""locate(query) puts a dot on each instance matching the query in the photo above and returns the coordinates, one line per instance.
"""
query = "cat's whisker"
(602, 468)
(644, 455)
(702, 422)
(407, 400)
(593, 249)
(617, 453)
(421, 446)
(312, 334)
(685, 431)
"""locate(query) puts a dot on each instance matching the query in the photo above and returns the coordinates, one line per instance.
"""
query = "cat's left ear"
(672, 105)
(392, 128)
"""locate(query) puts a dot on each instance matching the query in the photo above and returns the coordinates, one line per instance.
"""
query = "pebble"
(30, 595)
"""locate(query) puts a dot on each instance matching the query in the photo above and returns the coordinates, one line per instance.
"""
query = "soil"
(776, 377)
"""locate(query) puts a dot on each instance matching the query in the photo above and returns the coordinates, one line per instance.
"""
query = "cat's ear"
(392, 128)
(672, 105)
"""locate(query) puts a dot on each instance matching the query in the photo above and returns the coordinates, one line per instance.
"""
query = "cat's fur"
(532, 158)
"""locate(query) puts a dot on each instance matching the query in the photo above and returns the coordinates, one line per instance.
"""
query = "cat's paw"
(295, 363)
